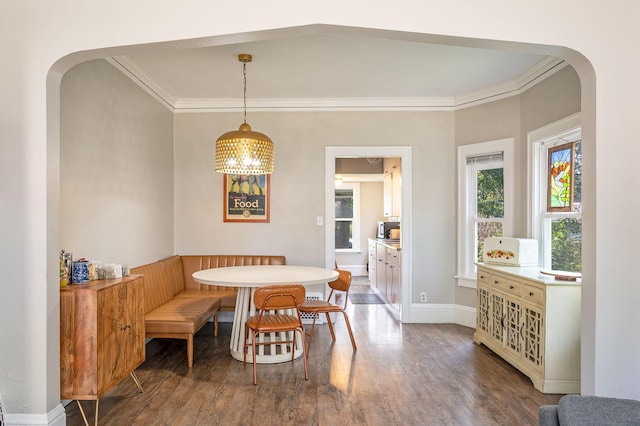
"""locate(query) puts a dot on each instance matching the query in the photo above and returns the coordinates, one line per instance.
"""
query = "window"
(485, 201)
(347, 217)
(559, 233)
(486, 198)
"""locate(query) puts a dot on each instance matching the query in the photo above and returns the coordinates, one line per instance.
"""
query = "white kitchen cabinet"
(392, 187)
(386, 273)
(533, 322)
(372, 263)
(381, 270)
(394, 289)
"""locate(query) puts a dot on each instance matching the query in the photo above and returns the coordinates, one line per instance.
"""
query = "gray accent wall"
(298, 196)
(116, 168)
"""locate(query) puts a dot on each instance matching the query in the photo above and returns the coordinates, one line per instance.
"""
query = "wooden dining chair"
(271, 301)
(317, 307)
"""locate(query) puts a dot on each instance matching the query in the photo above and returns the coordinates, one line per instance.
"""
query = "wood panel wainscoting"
(401, 374)
(101, 337)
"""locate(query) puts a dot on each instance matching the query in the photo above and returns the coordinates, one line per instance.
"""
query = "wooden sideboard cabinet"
(101, 336)
(532, 322)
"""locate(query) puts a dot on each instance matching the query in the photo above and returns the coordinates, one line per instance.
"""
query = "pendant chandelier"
(244, 151)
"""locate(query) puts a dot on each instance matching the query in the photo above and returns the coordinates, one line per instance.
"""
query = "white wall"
(33, 37)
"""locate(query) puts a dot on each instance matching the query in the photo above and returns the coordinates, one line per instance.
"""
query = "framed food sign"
(246, 198)
(561, 173)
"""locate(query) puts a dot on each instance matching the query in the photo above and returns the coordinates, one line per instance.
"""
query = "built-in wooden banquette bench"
(176, 306)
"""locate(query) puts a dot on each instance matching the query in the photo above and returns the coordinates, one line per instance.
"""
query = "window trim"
(355, 187)
(568, 128)
(466, 270)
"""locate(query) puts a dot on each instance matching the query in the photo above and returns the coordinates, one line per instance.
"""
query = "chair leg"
(333, 334)
(313, 325)
(293, 346)
(215, 325)
(304, 354)
(253, 356)
(346, 320)
(245, 346)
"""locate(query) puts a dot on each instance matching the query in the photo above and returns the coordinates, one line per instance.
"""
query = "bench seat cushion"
(181, 315)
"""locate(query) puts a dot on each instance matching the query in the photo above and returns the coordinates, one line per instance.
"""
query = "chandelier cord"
(244, 95)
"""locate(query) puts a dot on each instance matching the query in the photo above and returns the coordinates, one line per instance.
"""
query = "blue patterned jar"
(80, 272)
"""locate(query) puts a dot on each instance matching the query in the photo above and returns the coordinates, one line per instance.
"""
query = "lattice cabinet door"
(513, 325)
(533, 332)
(497, 316)
(483, 310)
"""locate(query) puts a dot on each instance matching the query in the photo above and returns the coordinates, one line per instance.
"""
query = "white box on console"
(511, 251)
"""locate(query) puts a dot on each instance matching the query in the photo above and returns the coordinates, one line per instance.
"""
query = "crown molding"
(526, 80)
(540, 71)
(132, 70)
(320, 104)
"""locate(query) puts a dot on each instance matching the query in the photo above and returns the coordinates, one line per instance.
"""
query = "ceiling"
(334, 71)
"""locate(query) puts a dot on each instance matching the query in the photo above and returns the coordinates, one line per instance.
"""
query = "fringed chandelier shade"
(244, 151)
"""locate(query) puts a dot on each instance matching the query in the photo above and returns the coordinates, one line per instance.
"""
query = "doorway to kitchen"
(403, 153)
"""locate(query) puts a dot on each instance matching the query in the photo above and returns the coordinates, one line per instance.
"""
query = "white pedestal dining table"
(247, 279)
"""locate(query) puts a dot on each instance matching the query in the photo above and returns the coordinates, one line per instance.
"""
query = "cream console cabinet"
(532, 322)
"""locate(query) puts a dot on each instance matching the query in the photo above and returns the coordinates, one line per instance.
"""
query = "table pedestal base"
(267, 354)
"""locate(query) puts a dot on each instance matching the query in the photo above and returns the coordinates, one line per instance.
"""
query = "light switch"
(319, 220)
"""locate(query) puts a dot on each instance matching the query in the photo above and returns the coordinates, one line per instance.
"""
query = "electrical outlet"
(423, 297)
(319, 220)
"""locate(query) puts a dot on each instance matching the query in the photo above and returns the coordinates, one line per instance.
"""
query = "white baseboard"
(225, 316)
(465, 315)
(55, 417)
(356, 270)
(434, 313)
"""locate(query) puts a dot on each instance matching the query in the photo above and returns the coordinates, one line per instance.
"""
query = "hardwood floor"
(402, 374)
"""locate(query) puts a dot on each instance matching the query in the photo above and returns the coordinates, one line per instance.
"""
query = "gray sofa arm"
(548, 415)
(580, 410)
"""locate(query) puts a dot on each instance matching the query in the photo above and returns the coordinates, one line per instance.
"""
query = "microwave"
(384, 229)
